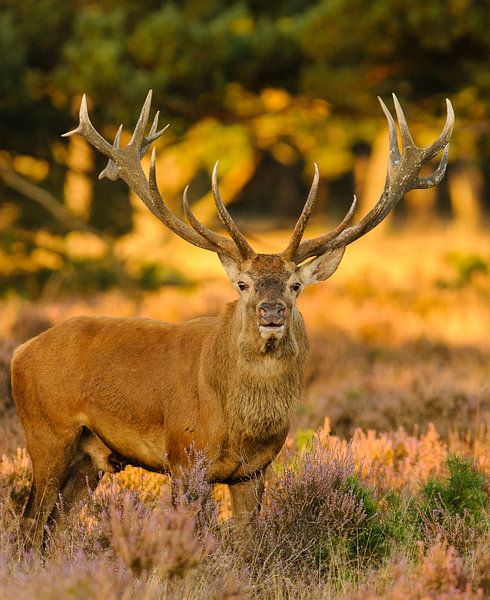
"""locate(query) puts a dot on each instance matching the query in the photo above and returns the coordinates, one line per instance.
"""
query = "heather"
(381, 491)
(325, 530)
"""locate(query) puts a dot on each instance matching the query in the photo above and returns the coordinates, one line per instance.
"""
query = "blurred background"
(400, 334)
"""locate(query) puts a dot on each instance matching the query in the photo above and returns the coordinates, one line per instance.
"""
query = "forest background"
(266, 88)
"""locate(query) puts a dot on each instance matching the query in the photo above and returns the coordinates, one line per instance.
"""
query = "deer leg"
(91, 460)
(51, 457)
(246, 499)
(83, 477)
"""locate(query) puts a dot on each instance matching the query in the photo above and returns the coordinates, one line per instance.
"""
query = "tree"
(294, 81)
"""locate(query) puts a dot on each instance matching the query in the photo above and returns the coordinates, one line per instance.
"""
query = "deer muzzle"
(272, 318)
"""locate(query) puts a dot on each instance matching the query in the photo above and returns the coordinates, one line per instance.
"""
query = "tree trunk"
(465, 186)
(370, 177)
(78, 183)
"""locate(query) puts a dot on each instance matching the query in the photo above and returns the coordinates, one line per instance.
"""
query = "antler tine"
(246, 251)
(407, 139)
(303, 219)
(88, 131)
(315, 246)
(160, 209)
(227, 245)
(117, 137)
(153, 134)
(139, 130)
(445, 134)
(111, 171)
(394, 151)
(154, 126)
(402, 176)
(138, 139)
(424, 183)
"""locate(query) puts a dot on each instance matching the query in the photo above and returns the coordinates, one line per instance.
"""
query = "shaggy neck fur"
(259, 390)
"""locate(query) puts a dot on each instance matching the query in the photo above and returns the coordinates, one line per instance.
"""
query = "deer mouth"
(270, 331)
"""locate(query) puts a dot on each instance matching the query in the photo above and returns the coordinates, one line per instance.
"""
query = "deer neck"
(261, 389)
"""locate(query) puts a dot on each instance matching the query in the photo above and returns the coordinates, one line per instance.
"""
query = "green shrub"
(153, 276)
(465, 267)
(462, 491)
(373, 540)
(456, 508)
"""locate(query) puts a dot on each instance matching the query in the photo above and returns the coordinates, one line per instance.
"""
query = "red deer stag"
(93, 391)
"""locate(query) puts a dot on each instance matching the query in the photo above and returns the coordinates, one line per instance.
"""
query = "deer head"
(268, 284)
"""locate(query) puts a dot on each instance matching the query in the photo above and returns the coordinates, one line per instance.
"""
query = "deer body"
(97, 393)
(150, 390)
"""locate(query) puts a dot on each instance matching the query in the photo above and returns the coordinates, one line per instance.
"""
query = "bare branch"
(41, 196)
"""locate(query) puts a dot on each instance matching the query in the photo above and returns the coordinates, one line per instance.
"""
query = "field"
(383, 488)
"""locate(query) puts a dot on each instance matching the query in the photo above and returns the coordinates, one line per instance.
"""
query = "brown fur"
(95, 390)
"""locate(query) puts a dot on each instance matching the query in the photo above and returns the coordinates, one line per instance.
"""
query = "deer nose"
(272, 313)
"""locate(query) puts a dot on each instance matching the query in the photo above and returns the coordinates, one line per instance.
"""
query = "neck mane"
(259, 390)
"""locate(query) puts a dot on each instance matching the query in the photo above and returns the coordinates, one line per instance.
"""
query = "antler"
(125, 164)
(238, 237)
(402, 176)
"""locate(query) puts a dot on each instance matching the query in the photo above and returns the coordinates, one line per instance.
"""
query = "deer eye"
(296, 287)
(242, 285)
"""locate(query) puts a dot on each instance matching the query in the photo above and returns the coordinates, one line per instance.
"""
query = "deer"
(95, 393)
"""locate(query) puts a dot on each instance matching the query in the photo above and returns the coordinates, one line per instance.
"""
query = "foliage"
(463, 491)
(161, 539)
(440, 575)
(153, 276)
(304, 438)
(88, 275)
(192, 491)
(372, 542)
(457, 507)
(320, 523)
(318, 511)
(310, 513)
(105, 46)
(466, 267)
(268, 88)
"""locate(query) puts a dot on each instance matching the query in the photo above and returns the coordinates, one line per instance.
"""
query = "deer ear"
(231, 267)
(322, 267)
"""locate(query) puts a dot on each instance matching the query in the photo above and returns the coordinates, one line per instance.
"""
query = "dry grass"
(397, 384)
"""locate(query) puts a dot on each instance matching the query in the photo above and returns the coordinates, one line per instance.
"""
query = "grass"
(382, 489)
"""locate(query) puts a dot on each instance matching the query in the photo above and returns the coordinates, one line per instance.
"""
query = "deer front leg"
(246, 498)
